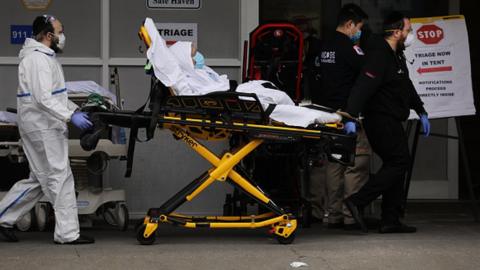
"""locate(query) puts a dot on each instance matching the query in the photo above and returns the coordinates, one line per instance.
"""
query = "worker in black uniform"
(384, 94)
(341, 60)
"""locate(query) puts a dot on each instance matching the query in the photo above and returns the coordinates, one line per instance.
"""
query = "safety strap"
(131, 146)
(270, 109)
(233, 85)
(269, 85)
(134, 128)
(155, 112)
(132, 140)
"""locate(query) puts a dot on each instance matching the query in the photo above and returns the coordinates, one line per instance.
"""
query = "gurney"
(216, 116)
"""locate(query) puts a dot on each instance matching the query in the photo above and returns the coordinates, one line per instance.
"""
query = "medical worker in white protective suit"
(43, 113)
(182, 67)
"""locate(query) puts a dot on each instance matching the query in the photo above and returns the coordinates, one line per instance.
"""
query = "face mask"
(356, 37)
(199, 60)
(61, 41)
(58, 43)
(409, 40)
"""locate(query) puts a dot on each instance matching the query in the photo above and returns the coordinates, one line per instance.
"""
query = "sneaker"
(81, 240)
(8, 234)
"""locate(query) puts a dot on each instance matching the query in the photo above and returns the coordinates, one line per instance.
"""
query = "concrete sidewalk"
(444, 241)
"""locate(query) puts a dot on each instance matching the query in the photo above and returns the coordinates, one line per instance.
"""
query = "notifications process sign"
(439, 66)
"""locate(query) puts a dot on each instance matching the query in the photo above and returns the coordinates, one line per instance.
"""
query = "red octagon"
(430, 34)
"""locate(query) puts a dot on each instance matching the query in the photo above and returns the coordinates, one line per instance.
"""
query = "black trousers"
(389, 141)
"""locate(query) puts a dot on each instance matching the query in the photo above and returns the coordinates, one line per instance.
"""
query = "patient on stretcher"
(175, 67)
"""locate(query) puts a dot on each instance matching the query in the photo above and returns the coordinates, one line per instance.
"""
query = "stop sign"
(430, 34)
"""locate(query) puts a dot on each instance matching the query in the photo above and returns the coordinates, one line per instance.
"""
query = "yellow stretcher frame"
(188, 129)
(282, 224)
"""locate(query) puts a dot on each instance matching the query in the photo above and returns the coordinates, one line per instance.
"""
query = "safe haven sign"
(173, 4)
(439, 66)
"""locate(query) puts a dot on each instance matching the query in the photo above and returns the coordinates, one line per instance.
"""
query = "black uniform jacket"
(340, 63)
(383, 85)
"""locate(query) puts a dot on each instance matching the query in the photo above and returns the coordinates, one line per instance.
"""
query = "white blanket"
(174, 68)
(8, 117)
(89, 87)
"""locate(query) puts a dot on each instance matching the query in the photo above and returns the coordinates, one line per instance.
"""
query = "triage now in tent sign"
(439, 66)
(173, 32)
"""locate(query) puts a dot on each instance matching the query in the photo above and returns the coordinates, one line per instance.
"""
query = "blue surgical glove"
(81, 120)
(350, 128)
(425, 124)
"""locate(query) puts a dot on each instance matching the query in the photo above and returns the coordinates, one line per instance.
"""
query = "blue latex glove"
(425, 124)
(81, 120)
(350, 128)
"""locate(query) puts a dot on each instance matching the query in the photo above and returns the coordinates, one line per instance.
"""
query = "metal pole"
(412, 162)
(466, 167)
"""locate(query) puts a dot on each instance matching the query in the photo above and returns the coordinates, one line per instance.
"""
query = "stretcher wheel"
(41, 214)
(43, 220)
(141, 239)
(116, 215)
(286, 241)
(25, 222)
(122, 217)
(138, 224)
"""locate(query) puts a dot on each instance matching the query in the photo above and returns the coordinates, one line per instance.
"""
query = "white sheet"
(174, 68)
(8, 117)
(89, 87)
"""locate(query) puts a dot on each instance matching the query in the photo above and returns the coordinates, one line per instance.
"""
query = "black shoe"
(8, 234)
(396, 228)
(337, 225)
(356, 214)
(81, 240)
(352, 227)
(316, 220)
(371, 222)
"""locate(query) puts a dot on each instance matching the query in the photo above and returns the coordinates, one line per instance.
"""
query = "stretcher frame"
(282, 223)
(201, 117)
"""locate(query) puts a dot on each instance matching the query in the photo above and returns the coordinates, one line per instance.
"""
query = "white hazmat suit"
(43, 113)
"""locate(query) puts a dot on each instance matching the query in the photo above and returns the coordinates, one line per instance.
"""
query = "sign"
(18, 33)
(36, 4)
(173, 32)
(430, 34)
(439, 66)
(174, 4)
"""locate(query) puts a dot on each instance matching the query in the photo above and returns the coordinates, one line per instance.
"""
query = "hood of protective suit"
(182, 50)
(32, 45)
